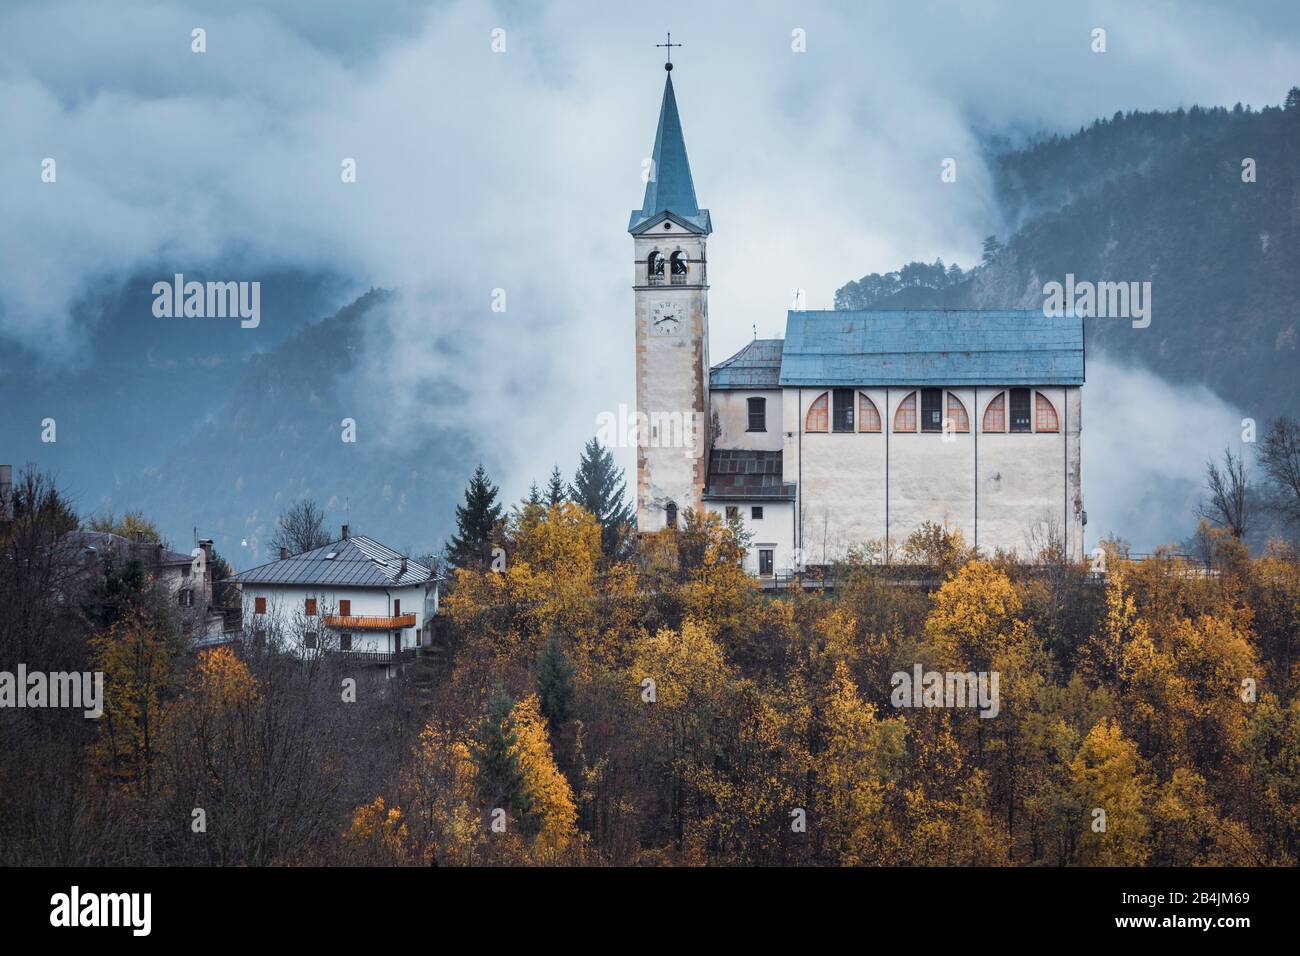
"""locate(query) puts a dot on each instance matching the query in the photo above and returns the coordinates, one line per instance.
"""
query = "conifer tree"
(554, 681)
(555, 490)
(599, 487)
(478, 523)
(500, 779)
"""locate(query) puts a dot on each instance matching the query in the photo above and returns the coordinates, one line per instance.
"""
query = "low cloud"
(479, 171)
(1145, 445)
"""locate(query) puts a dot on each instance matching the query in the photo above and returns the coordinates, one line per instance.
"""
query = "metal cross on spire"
(670, 44)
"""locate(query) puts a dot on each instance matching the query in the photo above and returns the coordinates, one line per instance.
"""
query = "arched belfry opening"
(680, 266)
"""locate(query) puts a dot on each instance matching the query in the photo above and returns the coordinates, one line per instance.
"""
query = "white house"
(352, 596)
(858, 426)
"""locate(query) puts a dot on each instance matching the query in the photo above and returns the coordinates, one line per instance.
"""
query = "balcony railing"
(679, 279)
(372, 657)
(655, 280)
(368, 622)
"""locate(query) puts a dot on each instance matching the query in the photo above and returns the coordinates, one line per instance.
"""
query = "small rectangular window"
(843, 409)
(310, 607)
(732, 512)
(757, 414)
(765, 561)
(259, 605)
(931, 409)
(345, 642)
(309, 639)
(1020, 421)
(345, 608)
(756, 512)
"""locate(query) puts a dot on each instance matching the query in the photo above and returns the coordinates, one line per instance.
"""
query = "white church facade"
(857, 427)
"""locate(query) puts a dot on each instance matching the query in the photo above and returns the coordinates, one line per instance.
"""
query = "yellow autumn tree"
(550, 584)
(221, 683)
(976, 615)
(1101, 658)
(718, 593)
(547, 793)
(439, 790)
(1112, 786)
(139, 660)
(853, 774)
(209, 728)
(378, 834)
(1189, 830)
(678, 678)
(1182, 684)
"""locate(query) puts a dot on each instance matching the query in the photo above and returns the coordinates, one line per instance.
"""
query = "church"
(858, 426)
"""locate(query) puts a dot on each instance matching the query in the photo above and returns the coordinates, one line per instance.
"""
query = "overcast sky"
(480, 170)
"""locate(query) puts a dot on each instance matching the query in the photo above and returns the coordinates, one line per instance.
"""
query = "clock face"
(665, 319)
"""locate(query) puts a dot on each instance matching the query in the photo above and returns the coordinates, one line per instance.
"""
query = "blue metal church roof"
(931, 347)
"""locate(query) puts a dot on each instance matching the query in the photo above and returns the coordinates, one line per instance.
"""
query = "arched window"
(818, 420)
(671, 511)
(868, 415)
(1045, 412)
(995, 414)
(960, 421)
(654, 266)
(905, 417)
(680, 265)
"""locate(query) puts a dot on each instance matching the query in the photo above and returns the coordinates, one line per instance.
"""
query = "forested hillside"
(1156, 197)
(653, 706)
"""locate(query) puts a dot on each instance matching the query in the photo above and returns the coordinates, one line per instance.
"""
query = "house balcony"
(372, 657)
(368, 622)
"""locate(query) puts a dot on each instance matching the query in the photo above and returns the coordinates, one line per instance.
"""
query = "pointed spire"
(670, 188)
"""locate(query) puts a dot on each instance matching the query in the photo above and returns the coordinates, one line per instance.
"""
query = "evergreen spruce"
(500, 780)
(555, 491)
(478, 524)
(599, 487)
(554, 680)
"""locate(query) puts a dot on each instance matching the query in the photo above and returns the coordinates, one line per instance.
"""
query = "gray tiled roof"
(105, 543)
(357, 561)
(757, 365)
(746, 474)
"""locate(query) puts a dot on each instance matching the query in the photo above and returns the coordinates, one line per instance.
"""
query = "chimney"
(345, 532)
(6, 493)
(139, 536)
(206, 545)
(284, 554)
(401, 572)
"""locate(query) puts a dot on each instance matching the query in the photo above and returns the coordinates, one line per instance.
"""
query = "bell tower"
(670, 285)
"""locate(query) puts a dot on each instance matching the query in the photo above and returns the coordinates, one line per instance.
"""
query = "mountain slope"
(279, 436)
(1157, 197)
